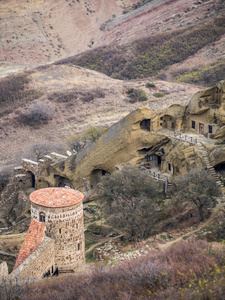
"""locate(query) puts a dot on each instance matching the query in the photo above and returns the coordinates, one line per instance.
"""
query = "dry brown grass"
(159, 275)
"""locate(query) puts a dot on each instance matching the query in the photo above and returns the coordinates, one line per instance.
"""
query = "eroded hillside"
(79, 98)
(34, 32)
(37, 32)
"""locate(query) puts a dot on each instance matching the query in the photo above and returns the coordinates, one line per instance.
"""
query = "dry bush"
(38, 150)
(15, 88)
(198, 188)
(77, 142)
(161, 275)
(62, 97)
(38, 113)
(147, 56)
(72, 95)
(129, 203)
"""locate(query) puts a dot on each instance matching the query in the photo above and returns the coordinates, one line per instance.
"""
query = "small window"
(210, 128)
(193, 124)
(161, 118)
(149, 157)
(79, 246)
(60, 231)
(42, 217)
(169, 167)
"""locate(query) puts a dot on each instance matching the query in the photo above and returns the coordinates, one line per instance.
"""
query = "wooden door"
(201, 128)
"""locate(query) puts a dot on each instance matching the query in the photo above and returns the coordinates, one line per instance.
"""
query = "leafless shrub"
(129, 203)
(160, 275)
(37, 151)
(198, 188)
(39, 113)
(9, 291)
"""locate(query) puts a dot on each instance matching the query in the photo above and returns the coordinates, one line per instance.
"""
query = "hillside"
(179, 41)
(80, 98)
(38, 32)
(196, 47)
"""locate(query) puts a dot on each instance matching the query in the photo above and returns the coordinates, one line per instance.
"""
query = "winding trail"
(102, 242)
(200, 227)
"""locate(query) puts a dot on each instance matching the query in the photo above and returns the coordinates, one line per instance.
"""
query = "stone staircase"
(208, 164)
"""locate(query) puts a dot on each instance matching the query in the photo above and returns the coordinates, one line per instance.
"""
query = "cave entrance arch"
(31, 179)
(168, 122)
(220, 168)
(146, 124)
(97, 175)
(61, 181)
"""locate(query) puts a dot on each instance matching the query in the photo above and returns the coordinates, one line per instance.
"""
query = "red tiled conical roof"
(56, 197)
(32, 240)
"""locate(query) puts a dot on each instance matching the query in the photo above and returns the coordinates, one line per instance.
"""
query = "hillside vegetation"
(15, 88)
(206, 75)
(147, 56)
(189, 270)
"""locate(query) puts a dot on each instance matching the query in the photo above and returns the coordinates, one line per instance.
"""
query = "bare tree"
(197, 187)
(37, 151)
(128, 202)
(77, 142)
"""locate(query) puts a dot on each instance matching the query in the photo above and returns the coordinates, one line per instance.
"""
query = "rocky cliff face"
(146, 132)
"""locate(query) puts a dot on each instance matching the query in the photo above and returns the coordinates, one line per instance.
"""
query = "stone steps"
(209, 165)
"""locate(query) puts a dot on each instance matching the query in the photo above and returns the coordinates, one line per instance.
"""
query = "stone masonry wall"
(4, 276)
(37, 264)
(65, 226)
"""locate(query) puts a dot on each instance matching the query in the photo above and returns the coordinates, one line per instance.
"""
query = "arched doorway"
(61, 181)
(220, 168)
(168, 122)
(97, 175)
(30, 179)
(146, 124)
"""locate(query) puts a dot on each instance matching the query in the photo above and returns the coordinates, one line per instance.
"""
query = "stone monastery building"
(55, 239)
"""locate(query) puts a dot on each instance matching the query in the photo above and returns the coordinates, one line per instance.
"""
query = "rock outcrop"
(147, 137)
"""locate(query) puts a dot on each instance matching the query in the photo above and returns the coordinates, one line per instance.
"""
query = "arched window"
(42, 217)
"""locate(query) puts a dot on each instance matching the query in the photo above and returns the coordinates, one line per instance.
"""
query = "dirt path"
(206, 223)
(102, 242)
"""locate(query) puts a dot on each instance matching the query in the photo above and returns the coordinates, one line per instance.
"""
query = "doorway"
(201, 128)
(159, 160)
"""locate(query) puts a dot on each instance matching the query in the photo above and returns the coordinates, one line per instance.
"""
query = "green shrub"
(150, 85)
(159, 94)
(207, 75)
(137, 95)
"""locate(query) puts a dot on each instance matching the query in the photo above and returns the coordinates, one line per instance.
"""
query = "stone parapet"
(37, 264)
(30, 165)
(4, 275)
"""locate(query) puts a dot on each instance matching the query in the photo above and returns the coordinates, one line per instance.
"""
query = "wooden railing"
(185, 137)
(156, 176)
